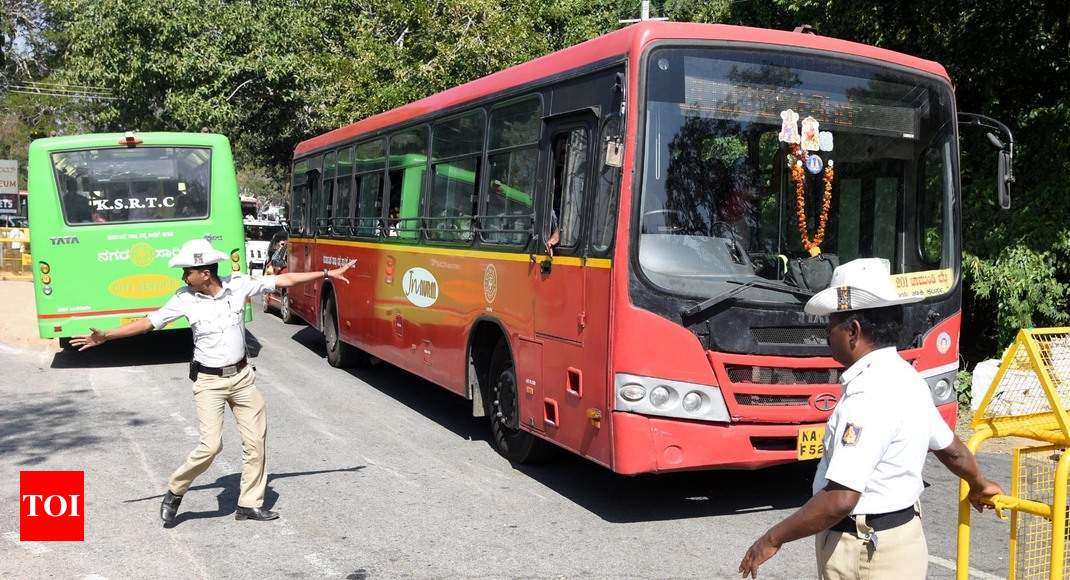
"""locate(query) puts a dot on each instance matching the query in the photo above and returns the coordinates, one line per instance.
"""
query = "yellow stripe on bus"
(486, 255)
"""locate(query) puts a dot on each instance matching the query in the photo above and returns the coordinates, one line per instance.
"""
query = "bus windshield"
(753, 158)
(133, 184)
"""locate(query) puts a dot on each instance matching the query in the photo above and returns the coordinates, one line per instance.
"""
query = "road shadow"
(229, 487)
(612, 497)
(154, 348)
(426, 398)
(670, 496)
(52, 423)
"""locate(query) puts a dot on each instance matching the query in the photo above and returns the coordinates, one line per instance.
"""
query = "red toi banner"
(51, 506)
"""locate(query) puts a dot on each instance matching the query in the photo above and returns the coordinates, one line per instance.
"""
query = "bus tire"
(502, 403)
(285, 313)
(339, 354)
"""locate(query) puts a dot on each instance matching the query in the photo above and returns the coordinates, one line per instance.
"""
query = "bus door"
(560, 281)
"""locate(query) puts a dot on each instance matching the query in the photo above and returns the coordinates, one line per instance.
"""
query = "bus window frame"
(563, 125)
(63, 209)
(614, 190)
(484, 194)
(384, 214)
(639, 142)
(480, 156)
(357, 175)
(344, 227)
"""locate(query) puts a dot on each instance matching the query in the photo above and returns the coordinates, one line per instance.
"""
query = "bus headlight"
(45, 268)
(942, 386)
(632, 393)
(692, 402)
(47, 290)
(46, 279)
(660, 397)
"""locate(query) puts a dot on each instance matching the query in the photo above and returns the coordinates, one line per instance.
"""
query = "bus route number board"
(811, 443)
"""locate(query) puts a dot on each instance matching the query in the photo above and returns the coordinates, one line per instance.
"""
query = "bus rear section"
(108, 211)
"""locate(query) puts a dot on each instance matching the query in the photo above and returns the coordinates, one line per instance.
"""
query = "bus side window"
(341, 222)
(512, 158)
(457, 147)
(570, 153)
(323, 204)
(407, 164)
(368, 165)
(604, 213)
(300, 196)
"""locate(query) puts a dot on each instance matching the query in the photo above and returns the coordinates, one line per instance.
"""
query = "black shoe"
(169, 507)
(259, 514)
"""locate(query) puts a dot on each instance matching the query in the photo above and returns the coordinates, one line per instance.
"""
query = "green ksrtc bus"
(108, 211)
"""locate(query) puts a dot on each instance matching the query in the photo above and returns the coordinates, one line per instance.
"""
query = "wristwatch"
(325, 276)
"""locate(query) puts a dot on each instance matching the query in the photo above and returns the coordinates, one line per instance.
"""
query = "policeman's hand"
(339, 273)
(758, 553)
(983, 489)
(96, 339)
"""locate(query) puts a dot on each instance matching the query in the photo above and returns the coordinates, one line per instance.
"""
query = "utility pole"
(644, 15)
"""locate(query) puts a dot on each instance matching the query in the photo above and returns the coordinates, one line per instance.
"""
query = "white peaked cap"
(195, 253)
(858, 285)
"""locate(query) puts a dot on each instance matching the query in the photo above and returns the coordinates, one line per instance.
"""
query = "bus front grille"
(773, 400)
(781, 375)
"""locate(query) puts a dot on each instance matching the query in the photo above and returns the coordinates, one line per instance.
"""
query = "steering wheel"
(667, 212)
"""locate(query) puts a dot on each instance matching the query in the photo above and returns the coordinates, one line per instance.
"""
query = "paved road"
(376, 474)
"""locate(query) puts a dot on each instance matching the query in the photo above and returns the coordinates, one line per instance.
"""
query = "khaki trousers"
(211, 394)
(901, 554)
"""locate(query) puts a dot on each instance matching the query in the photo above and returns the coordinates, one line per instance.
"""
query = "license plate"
(811, 443)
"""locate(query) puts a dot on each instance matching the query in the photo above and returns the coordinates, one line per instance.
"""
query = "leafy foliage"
(269, 73)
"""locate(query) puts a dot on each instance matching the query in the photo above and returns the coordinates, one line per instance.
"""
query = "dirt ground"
(18, 317)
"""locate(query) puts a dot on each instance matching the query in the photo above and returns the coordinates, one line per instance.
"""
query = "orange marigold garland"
(797, 159)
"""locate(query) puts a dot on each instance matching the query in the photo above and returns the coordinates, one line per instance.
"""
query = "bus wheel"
(503, 409)
(285, 313)
(339, 354)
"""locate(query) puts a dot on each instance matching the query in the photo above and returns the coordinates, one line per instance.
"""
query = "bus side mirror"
(1004, 179)
(1003, 144)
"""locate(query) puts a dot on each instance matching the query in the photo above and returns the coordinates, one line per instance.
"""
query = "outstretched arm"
(99, 337)
(291, 279)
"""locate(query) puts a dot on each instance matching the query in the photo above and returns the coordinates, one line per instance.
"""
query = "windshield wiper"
(712, 301)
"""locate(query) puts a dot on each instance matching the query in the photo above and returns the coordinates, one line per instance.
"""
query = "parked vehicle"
(277, 300)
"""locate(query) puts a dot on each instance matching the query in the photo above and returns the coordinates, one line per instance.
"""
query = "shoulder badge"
(851, 434)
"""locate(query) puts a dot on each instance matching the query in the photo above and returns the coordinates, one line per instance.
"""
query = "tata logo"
(824, 402)
(64, 240)
(51, 506)
(420, 287)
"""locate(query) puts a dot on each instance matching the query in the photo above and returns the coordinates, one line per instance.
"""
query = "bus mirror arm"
(1005, 148)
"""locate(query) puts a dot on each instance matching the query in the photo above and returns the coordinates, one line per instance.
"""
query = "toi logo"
(51, 506)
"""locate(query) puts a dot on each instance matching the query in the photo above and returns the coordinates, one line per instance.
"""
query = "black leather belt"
(878, 522)
(227, 371)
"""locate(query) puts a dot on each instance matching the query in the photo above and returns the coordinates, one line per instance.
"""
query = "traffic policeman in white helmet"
(215, 308)
(864, 512)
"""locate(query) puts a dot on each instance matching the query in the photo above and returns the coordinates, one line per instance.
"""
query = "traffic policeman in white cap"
(215, 308)
(864, 510)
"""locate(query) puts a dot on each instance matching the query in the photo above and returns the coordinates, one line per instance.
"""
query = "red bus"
(608, 248)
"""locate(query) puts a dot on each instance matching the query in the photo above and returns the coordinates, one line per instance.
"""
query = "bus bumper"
(644, 444)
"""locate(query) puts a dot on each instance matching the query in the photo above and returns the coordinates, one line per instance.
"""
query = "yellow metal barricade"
(1029, 398)
(15, 259)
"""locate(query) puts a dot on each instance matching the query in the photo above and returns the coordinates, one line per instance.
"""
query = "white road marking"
(35, 548)
(178, 417)
(953, 567)
(316, 560)
(94, 577)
